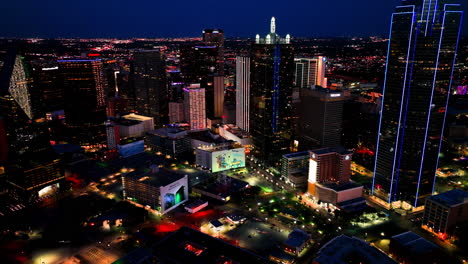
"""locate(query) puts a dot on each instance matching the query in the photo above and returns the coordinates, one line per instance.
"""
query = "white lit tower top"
(272, 37)
(273, 25)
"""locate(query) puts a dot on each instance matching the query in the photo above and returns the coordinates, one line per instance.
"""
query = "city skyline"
(270, 148)
(105, 19)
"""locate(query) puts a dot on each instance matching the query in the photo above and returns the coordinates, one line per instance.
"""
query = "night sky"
(172, 18)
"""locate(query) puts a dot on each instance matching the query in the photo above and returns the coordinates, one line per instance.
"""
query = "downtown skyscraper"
(149, 79)
(310, 72)
(194, 106)
(421, 55)
(271, 80)
(85, 103)
(243, 92)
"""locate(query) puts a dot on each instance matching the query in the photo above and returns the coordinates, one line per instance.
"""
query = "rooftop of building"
(223, 188)
(137, 117)
(341, 187)
(131, 140)
(208, 137)
(297, 238)
(236, 217)
(236, 131)
(195, 204)
(414, 244)
(278, 253)
(219, 148)
(343, 249)
(154, 179)
(323, 93)
(323, 151)
(126, 122)
(189, 246)
(138, 256)
(216, 223)
(304, 154)
(214, 30)
(138, 161)
(451, 198)
(171, 132)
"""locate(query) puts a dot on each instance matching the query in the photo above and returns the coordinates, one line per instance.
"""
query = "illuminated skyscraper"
(243, 92)
(421, 54)
(151, 93)
(31, 166)
(310, 72)
(85, 104)
(194, 106)
(215, 37)
(25, 135)
(272, 77)
(199, 64)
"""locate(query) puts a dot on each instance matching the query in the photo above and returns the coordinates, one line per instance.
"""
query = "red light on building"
(442, 236)
(195, 250)
(94, 54)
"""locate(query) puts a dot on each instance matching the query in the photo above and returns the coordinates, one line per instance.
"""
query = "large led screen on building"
(228, 159)
(174, 194)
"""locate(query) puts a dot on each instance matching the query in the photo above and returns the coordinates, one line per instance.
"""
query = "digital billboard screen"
(228, 159)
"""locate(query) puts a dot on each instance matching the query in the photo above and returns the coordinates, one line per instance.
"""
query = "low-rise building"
(131, 147)
(443, 212)
(130, 128)
(196, 206)
(337, 193)
(148, 122)
(160, 191)
(295, 169)
(344, 249)
(234, 133)
(221, 189)
(410, 248)
(297, 242)
(329, 177)
(206, 138)
(170, 141)
(190, 246)
(220, 158)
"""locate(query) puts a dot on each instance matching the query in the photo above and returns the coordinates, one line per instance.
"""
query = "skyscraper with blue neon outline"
(422, 50)
(271, 82)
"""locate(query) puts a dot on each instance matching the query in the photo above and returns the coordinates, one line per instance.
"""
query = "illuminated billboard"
(174, 194)
(228, 159)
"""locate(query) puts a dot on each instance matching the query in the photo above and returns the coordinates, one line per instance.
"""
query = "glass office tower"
(272, 77)
(422, 50)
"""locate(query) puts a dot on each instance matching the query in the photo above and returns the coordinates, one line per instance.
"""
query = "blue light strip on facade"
(448, 94)
(401, 107)
(429, 112)
(382, 105)
(276, 88)
(406, 103)
(427, 18)
(435, 11)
